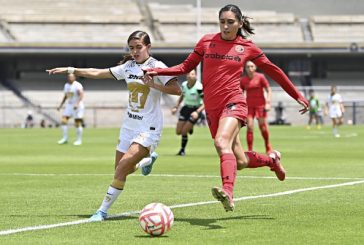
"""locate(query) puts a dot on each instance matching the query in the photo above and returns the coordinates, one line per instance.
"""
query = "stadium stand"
(177, 23)
(338, 28)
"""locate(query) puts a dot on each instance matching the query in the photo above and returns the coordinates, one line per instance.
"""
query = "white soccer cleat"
(98, 216)
(62, 141)
(77, 142)
(148, 169)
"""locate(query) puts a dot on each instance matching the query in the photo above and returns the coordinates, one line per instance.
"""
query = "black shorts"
(185, 114)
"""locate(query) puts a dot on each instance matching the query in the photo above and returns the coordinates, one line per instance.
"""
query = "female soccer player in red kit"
(255, 84)
(224, 55)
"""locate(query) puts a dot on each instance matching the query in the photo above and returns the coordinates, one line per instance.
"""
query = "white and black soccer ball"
(156, 219)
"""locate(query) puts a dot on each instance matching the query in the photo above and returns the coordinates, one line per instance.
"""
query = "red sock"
(228, 171)
(249, 139)
(257, 160)
(265, 133)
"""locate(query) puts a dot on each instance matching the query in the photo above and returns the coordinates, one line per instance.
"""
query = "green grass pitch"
(43, 183)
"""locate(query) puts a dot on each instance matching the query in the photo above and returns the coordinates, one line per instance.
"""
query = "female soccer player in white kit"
(335, 109)
(143, 123)
(73, 94)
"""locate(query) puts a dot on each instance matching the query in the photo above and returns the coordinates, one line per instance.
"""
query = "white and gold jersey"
(71, 91)
(144, 111)
(334, 103)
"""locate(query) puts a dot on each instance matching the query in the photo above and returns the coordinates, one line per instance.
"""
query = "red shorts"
(236, 110)
(257, 112)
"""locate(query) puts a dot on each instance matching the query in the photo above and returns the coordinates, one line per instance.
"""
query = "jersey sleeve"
(118, 72)
(65, 88)
(242, 83)
(163, 79)
(256, 55)
(340, 99)
(264, 81)
(187, 65)
(278, 75)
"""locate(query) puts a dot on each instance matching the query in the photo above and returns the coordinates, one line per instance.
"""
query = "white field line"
(181, 176)
(77, 222)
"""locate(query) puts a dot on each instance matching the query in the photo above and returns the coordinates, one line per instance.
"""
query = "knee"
(263, 127)
(221, 143)
(250, 127)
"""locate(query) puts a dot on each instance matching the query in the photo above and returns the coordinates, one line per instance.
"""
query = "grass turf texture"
(81, 175)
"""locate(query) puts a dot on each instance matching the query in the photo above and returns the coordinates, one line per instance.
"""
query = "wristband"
(70, 70)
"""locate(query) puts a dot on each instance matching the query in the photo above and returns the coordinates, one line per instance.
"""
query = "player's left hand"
(58, 70)
(267, 107)
(304, 103)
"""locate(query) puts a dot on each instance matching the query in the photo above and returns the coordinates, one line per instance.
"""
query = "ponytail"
(125, 59)
(246, 27)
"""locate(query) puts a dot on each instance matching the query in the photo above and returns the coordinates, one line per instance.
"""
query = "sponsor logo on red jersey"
(222, 57)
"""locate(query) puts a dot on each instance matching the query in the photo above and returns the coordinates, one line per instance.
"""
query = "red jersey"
(223, 63)
(254, 88)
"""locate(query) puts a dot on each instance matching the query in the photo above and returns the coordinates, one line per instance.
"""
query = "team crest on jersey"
(239, 48)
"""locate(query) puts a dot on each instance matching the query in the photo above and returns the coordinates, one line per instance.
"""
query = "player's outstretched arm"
(278, 75)
(82, 72)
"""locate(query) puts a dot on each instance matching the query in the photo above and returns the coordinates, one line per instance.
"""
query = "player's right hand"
(58, 70)
(174, 110)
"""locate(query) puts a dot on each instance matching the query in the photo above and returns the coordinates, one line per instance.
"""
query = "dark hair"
(139, 35)
(246, 29)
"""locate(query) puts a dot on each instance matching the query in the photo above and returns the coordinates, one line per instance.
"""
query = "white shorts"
(335, 113)
(147, 139)
(70, 112)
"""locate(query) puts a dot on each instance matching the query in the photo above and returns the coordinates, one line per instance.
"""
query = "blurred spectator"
(280, 118)
(29, 121)
(43, 123)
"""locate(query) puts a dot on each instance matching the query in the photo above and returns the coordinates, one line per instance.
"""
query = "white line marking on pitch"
(77, 222)
(181, 175)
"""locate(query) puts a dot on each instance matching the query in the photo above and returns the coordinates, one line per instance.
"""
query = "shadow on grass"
(210, 223)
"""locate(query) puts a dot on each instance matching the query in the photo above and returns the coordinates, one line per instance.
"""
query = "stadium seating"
(178, 24)
(43, 21)
(340, 28)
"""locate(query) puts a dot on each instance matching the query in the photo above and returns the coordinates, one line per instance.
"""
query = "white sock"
(334, 131)
(110, 197)
(144, 162)
(65, 131)
(79, 131)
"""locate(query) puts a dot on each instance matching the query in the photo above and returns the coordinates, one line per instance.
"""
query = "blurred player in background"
(314, 110)
(192, 108)
(223, 56)
(258, 97)
(335, 109)
(143, 122)
(73, 94)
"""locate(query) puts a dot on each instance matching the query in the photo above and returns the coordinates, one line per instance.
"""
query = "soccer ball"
(156, 219)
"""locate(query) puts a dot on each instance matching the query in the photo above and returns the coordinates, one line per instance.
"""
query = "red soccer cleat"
(222, 196)
(277, 166)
